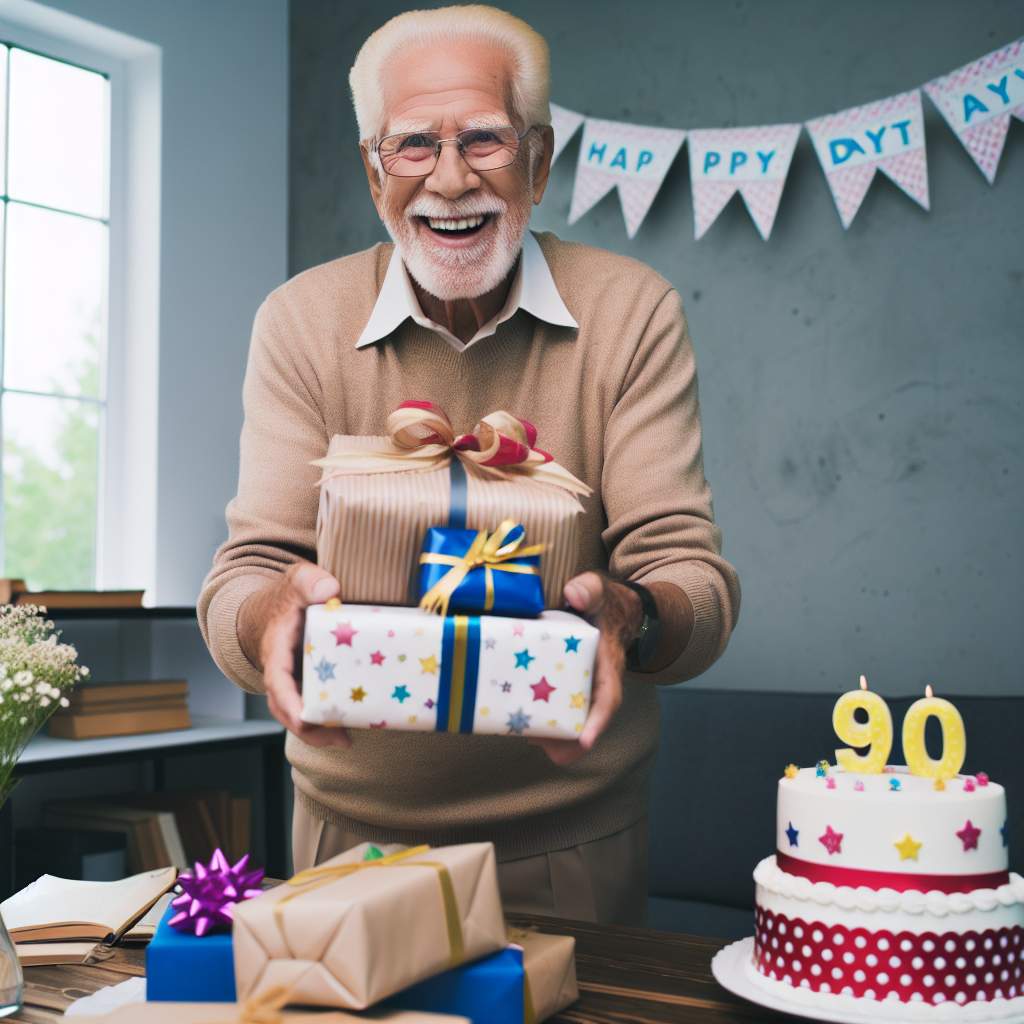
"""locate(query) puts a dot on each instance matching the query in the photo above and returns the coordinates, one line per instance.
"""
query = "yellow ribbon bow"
(421, 437)
(490, 552)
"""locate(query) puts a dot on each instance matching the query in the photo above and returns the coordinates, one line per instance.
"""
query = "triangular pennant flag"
(887, 136)
(564, 122)
(753, 161)
(634, 157)
(977, 101)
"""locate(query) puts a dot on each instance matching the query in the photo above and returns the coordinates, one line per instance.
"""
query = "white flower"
(22, 720)
(42, 686)
(23, 678)
(84, 670)
(6, 685)
(44, 702)
(64, 702)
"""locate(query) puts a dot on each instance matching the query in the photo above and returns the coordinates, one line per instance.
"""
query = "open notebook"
(54, 909)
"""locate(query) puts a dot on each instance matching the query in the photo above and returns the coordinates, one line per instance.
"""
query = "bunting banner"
(977, 101)
(886, 136)
(752, 161)
(634, 157)
(565, 124)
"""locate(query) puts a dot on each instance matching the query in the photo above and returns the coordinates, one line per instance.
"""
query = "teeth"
(454, 225)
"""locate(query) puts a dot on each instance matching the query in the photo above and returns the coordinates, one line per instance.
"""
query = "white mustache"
(421, 210)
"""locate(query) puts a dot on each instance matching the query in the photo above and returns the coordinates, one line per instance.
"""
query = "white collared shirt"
(533, 289)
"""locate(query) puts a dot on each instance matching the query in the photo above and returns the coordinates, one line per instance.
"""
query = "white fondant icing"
(874, 819)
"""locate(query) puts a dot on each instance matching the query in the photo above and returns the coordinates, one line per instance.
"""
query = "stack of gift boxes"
(452, 554)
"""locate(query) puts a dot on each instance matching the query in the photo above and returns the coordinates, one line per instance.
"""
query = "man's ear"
(540, 177)
(376, 186)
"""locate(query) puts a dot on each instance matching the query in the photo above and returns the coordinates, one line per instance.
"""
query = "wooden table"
(626, 976)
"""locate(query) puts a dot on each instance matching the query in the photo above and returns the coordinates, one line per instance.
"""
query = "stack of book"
(14, 591)
(177, 827)
(60, 920)
(119, 709)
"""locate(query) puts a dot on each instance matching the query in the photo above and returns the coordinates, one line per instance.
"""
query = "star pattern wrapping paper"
(383, 667)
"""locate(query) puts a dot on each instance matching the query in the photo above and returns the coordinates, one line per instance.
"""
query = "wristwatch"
(645, 643)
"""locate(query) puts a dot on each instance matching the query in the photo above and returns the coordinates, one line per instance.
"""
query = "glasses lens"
(409, 155)
(488, 148)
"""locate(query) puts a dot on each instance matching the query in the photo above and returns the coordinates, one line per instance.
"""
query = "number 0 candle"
(954, 739)
(875, 733)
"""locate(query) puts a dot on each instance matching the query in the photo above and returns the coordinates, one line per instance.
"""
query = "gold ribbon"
(529, 1013)
(424, 439)
(313, 878)
(490, 552)
(262, 1008)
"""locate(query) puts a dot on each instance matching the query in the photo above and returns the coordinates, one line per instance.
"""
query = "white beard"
(465, 273)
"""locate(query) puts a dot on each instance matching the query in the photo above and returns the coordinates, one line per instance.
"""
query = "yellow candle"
(875, 733)
(954, 738)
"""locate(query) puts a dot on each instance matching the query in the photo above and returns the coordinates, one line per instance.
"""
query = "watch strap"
(642, 649)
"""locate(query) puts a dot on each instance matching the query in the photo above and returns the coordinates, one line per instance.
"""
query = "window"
(54, 226)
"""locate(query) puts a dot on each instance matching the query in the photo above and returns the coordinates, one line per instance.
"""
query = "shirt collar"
(533, 289)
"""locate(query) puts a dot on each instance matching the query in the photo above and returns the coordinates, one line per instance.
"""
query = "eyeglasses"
(415, 154)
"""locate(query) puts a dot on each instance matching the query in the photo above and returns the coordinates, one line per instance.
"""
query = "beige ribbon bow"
(421, 437)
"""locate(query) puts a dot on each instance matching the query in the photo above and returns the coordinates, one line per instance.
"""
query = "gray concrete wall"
(860, 391)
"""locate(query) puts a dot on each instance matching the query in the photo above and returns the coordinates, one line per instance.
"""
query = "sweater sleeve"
(660, 516)
(272, 519)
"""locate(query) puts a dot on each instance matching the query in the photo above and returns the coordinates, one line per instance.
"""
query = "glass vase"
(11, 978)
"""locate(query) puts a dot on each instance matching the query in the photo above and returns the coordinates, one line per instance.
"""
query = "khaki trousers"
(604, 881)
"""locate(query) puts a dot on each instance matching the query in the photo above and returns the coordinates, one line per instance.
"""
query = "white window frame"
(127, 485)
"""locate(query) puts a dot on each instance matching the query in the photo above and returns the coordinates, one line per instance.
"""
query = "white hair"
(527, 51)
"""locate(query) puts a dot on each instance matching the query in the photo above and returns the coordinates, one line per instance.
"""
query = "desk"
(626, 976)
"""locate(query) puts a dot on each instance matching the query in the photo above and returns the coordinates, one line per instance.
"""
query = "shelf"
(44, 750)
(163, 612)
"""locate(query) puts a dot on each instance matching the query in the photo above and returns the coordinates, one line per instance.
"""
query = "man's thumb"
(315, 585)
(323, 588)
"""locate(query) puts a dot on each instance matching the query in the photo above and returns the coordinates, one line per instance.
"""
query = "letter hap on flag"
(634, 157)
(564, 122)
(977, 101)
(752, 161)
(887, 136)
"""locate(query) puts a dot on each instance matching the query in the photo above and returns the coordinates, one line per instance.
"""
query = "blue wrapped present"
(487, 991)
(527, 982)
(470, 572)
(182, 967)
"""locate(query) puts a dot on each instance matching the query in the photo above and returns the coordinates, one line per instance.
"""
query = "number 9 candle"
(875, 733)
(954, 740)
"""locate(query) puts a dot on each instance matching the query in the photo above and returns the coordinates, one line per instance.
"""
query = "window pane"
(50, 463)
(3, 116)
(58, 134)
(55, 326)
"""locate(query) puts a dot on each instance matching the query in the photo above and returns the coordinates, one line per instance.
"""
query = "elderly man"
(470, 310)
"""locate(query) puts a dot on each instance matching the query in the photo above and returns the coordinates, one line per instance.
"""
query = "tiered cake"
(891, 886)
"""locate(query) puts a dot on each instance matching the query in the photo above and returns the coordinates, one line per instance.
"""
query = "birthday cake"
(891, 886)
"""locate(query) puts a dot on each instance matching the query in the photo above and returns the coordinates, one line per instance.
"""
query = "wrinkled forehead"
(446, 86)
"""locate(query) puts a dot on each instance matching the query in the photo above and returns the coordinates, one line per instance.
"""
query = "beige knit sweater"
(614, 401)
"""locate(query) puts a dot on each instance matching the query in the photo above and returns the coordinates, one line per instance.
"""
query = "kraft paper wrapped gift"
(351, 932)
(378, 496)
(369, 666)
(529, 981)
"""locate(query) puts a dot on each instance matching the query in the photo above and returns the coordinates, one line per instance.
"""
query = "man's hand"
(270, 625)
(617, 611)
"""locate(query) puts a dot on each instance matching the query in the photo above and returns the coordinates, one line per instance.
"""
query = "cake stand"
(733, 968)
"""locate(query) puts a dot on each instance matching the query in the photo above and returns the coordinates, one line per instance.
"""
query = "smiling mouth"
(456, 227)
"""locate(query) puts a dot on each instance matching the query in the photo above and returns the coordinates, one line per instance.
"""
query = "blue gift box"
(511, 586)
(181, 967)
(487, 991)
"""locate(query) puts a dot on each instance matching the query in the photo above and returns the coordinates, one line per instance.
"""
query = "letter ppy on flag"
(887, 136)
(564, 122)
(753, 161)
(634, 157)
(978, 99)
